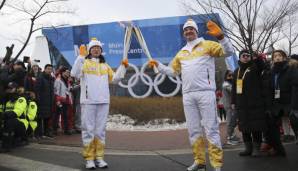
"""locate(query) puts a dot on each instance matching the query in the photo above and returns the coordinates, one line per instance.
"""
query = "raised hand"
(214, 30)
(153, 63)
(125, 62)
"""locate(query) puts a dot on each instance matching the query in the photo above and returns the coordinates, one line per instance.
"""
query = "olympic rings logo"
(152, 84)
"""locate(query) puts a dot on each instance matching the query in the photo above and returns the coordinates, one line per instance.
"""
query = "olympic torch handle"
(154, 67)
(122, 74)
(155, 70)
(123, 68)
(143, 44)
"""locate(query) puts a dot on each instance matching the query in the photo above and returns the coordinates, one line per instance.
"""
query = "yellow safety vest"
(1, 113)
(31, 114)
(1, 108)
(19, 107)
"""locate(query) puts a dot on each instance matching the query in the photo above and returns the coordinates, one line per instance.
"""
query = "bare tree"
(2, 4)
(290, 33)
(34, 12)
(250, 24)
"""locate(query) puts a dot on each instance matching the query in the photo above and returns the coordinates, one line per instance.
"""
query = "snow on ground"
(122, 122)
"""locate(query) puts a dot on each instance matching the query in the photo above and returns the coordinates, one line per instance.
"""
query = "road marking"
(18, 163)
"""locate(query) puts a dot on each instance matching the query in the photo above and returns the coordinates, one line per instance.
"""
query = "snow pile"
(122, 122)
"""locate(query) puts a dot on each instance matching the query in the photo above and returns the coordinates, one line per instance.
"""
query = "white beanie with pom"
(191, 23)
(94, 42)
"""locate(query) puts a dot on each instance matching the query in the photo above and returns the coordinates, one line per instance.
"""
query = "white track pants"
(94, 120)
(201, 116)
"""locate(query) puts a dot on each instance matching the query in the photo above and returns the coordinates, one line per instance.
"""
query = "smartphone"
(26, 59)
(36, 60)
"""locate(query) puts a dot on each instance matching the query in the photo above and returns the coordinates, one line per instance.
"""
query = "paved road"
(139, 140)
(57, 158)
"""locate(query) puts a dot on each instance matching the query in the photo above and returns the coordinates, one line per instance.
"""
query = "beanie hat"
(33, 63)
(94, 42)
(242, 52)
(191, 23)
(283, 53)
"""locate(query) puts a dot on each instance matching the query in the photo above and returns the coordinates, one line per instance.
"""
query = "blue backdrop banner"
(163, 37)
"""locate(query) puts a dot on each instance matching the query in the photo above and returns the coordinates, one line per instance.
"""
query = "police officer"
(2, 105)
(31, 115)
(14, 116)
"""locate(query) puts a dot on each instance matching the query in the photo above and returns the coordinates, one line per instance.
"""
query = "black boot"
(256, 152)
(248, 149)
(67, 132)
(4, 150)
(279, 150)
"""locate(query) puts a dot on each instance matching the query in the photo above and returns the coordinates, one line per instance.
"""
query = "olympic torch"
(144, 45)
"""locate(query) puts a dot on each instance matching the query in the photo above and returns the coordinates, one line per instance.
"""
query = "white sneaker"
(196, 167)
(233, 140)
(230, 142)
(90, 164)
(101, 163)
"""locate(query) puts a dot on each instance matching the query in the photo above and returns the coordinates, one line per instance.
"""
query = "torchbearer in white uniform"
(195, 63)
(95, 75)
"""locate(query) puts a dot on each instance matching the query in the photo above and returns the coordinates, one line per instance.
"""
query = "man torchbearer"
(195, 62)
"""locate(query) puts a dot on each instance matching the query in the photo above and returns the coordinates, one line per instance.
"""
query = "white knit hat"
(191, 23)
(33, 63)
(94, 42)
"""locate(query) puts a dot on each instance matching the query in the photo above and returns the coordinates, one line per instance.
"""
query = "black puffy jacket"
(285, 78)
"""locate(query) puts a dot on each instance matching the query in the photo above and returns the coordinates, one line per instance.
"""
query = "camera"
(26, 59)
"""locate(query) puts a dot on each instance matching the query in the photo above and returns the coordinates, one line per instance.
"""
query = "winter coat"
(94, 79)
(250, 105)
(3, 82)
(286, 80)
(7, 75)
(195, 62)
(18, 76)
(62, 92)
(30, 81)
(45, 95)
(294, 99)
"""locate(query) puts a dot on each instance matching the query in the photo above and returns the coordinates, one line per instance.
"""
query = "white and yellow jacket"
(94, 79)
(195, 62)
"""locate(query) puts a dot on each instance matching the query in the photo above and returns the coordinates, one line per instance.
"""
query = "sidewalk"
(137, 151)
(137, 140)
